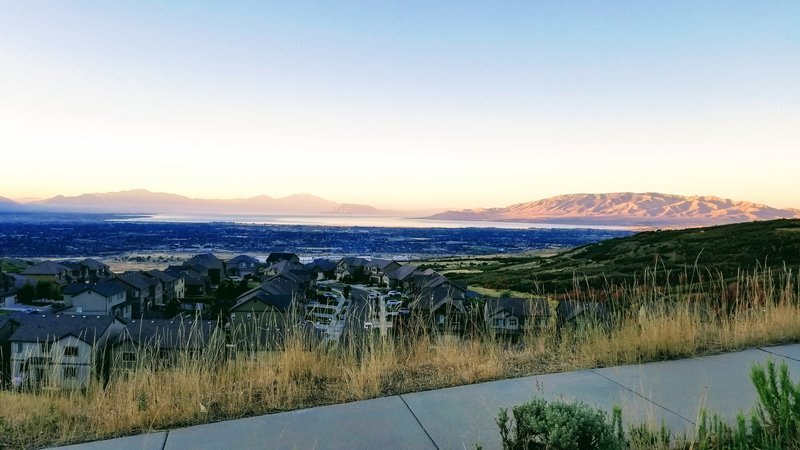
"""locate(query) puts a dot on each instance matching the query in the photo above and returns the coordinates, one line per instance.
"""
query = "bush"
(559, 425)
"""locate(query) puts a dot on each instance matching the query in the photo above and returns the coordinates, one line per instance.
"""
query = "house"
(516, 315)
(323, 269)
(377, 270)
(141, 291)
(7, 326)
(49, 271)
(208, 265)
(101, 299)
(159, 341)
(400, 278)
(241, 266)
(10, 284)
(88, 270)
(260, 310)
(195, 284)
(172, 287)
(277, 257)
(421, 278)
(580, 314)
(283, 267)
(60, 351)
(441, 305)
(351, 269)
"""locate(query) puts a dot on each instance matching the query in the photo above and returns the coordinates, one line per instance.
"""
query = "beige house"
(60, 351)
(48, 271)
(102, 299)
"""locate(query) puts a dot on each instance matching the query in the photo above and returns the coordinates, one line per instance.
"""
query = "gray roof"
(520, 307)
(93, 264)
(137, 280)
(160, 275)
(106, 289)
(281, 301)
(46, 268)
(381, 264)
(243, 258)
(38, 328)
(324, 265)
(169, 333)
(402, 273)
(278, 256)
(207, 260)
(568, 310)
(353, 261)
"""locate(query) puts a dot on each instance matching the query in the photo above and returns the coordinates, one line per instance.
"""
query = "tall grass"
(296, 369)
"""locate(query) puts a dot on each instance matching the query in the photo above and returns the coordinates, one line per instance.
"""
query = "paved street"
(461, 417)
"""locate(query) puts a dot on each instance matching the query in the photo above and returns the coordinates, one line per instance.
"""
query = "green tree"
(27, 294)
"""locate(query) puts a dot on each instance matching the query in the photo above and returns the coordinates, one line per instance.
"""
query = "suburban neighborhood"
(71, 323)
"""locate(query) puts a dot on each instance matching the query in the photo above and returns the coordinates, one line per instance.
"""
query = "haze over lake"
(353, 221)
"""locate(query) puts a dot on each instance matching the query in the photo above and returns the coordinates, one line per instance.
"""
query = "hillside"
(627, 208)
(7, 204)
(725, 248)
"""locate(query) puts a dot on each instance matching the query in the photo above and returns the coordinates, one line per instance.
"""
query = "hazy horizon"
(408, 106)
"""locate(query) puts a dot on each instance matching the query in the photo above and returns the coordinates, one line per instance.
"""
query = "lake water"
(353, 221)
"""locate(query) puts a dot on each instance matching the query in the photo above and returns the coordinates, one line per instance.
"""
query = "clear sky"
(401, 104)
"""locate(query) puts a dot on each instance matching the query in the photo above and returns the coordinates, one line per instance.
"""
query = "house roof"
(160, 275)
(207, 260)
(38, 328)
(279, 301)
(402, 273)
(279, 256)
(137, 280)
(243, 258)
(353, 261)
(568, 310)
(161, 333)
(46, 268)
(381, 264)
(106, 289)
(520, 307)
(324, 265)
(93, 264)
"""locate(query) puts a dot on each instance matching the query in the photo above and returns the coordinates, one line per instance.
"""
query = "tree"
(27, 293)
(48, 290)
(346, 292)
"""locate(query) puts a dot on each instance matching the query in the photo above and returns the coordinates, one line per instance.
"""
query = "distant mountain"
(355, 209)
(144, 201)
(627, 208)
(6, 204)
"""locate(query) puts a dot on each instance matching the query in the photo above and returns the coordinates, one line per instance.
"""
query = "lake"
(353, 221)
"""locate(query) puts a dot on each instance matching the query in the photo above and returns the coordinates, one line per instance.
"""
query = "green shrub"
(559, 425)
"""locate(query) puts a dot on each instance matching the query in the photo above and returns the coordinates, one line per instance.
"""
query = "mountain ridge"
(148, 202)
(646, 209)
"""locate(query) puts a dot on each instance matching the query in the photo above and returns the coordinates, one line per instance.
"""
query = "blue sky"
(402, 104)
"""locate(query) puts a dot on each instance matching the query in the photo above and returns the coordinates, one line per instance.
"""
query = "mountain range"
(141, 201)
(626, 208)
(623, 208)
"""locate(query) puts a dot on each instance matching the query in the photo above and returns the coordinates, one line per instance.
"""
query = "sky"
(401, 105)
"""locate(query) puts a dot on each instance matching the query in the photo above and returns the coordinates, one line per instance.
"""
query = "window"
(129, 357)
(70, 373)
(249, 316)
(233, 316)
(499, 323)
(44, 347)
(17, 347)
(440, 319)
(512, 322)
(71, 350)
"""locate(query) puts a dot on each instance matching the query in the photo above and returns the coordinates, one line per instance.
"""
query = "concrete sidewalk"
(461, 417)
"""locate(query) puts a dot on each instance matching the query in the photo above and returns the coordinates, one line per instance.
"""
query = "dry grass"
(765, 310)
